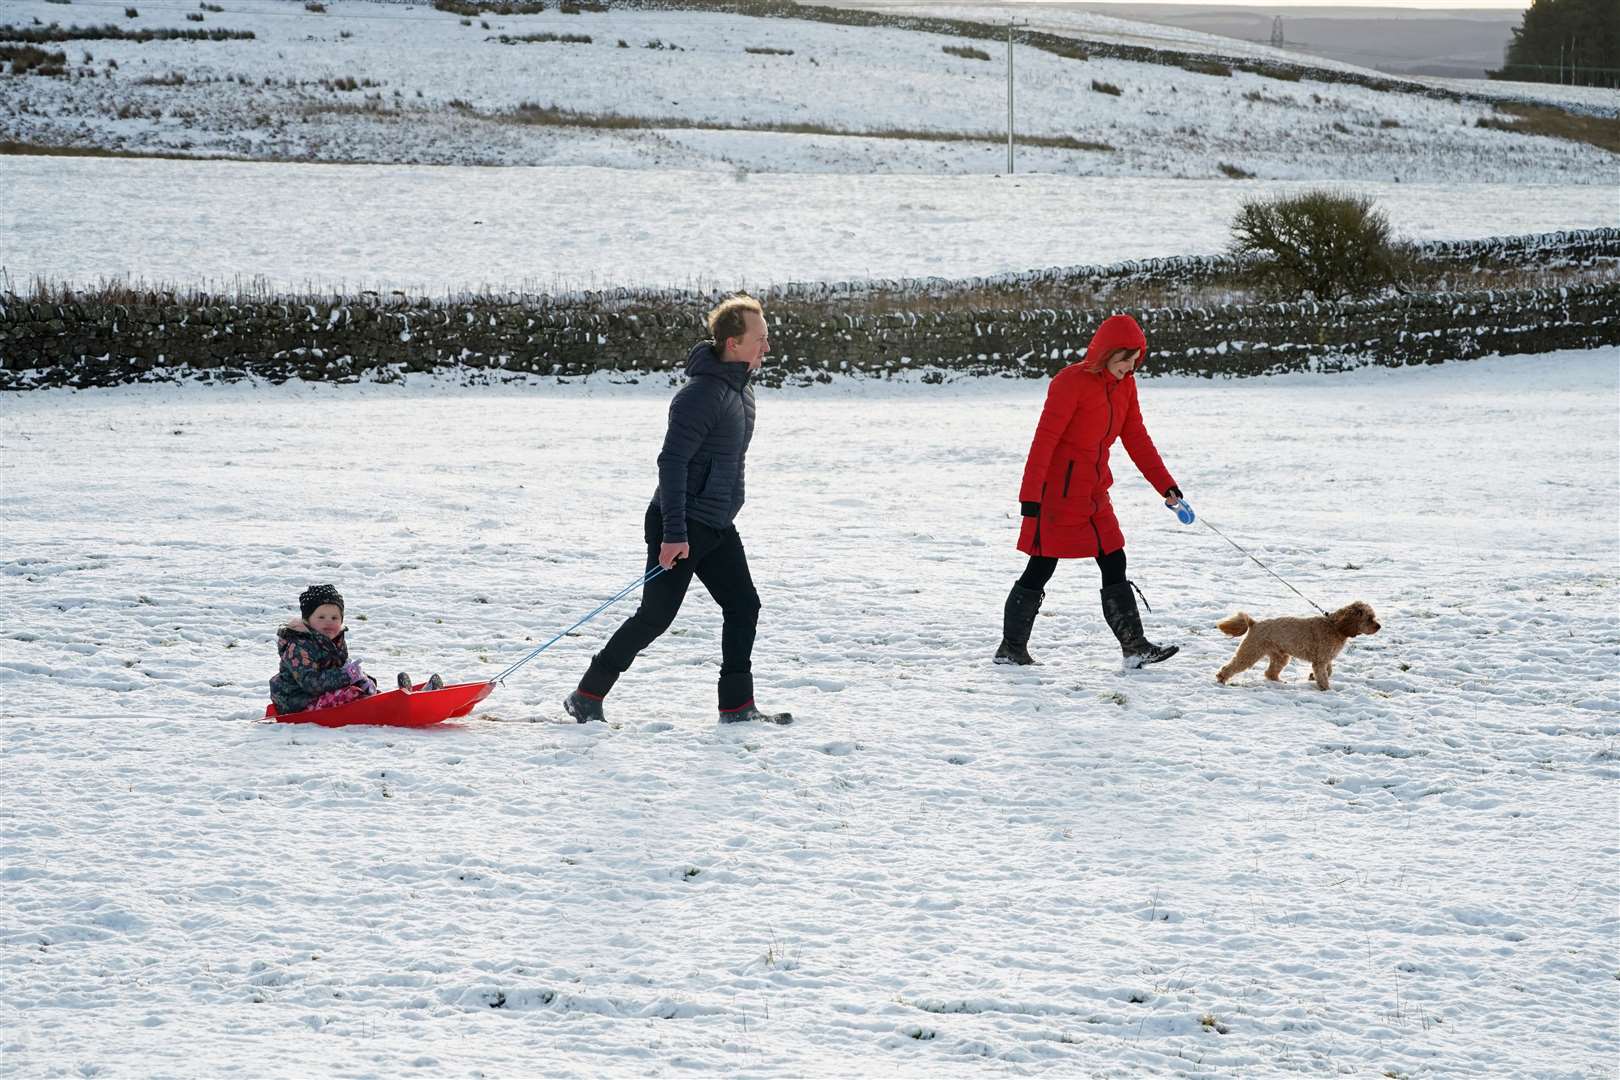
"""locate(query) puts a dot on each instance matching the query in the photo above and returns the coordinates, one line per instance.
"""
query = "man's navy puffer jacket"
(711, 422)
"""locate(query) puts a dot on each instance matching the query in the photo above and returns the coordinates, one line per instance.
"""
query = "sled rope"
(630, 588)
(1260, 564)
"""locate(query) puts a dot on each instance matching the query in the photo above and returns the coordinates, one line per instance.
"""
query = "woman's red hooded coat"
(1067, 471)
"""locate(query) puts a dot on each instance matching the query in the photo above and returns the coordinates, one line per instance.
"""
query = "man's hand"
(668, 553)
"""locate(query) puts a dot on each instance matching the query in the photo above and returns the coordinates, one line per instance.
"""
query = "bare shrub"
(766, 50)
(966, 52)
(1105, 88)
(1234, 172)
(1330, 243)
(132, 13)
(194, 16)
(316, 6)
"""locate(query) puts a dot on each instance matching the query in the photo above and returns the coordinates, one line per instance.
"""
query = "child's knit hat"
(316, 595)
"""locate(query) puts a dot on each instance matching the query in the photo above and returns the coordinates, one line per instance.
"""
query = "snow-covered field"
(945, 867)
(420, 228)
(427, 89)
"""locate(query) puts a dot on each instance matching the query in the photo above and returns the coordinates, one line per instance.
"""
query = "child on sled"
(316, 672)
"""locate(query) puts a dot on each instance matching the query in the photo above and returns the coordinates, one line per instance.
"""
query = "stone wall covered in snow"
(816, 331)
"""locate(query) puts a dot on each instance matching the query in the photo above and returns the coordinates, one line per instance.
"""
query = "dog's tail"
(1237, 625)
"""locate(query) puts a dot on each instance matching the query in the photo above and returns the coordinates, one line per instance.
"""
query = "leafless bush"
(1330, 243)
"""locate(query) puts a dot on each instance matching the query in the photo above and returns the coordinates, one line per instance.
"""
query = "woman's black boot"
(1017, 619)
(1119, 609)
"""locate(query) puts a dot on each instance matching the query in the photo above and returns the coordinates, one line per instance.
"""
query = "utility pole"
(1009, 95)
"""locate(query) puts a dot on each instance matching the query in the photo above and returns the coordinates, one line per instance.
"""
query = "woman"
(1066, 510)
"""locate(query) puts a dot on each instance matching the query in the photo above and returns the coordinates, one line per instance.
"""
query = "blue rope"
(632, 587)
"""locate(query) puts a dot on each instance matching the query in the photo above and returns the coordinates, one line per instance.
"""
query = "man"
(689, 524)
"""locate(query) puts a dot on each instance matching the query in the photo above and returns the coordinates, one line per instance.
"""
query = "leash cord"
(1260, 564)
(632, 587)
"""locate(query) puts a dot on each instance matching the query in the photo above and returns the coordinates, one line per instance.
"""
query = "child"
(316, 672)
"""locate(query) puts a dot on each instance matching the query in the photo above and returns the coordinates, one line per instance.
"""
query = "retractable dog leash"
(1185, 514)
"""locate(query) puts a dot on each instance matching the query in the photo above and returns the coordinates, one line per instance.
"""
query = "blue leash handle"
(1183, 511)
(621, 594)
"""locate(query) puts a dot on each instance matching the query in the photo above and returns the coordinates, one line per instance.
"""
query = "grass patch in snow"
(1602, 132)
(107, 32)
(527, 39)
(32, 60)
(1106, 88)
(556, 116)
(32, 149)
(766, 50)
(966, 52)
(462, 7)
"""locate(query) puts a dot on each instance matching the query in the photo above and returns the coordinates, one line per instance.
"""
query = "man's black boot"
(1017, 620)
(1119, 609)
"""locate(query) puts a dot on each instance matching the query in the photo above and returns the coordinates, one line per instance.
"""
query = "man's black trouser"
(719, 561)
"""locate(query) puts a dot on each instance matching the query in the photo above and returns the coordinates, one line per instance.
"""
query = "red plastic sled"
(396, 708)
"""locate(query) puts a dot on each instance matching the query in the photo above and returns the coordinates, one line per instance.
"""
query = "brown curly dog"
(1317, 639)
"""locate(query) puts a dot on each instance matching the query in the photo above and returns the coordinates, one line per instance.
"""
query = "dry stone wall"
(99, 344)
(818, 329)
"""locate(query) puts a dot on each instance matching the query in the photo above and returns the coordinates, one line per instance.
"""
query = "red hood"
(1116, 332)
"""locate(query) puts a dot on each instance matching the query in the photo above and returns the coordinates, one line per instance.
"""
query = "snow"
(944, 867)
(437, 92)
(420, 228)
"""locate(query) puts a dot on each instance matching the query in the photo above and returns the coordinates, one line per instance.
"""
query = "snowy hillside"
(404, 83)
(946, 868)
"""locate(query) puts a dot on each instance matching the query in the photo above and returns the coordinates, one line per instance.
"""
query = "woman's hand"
(1172, 495)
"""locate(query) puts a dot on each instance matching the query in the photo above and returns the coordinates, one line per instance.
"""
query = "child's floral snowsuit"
(312, 674)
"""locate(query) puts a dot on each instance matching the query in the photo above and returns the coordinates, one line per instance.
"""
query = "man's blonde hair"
(730, 320)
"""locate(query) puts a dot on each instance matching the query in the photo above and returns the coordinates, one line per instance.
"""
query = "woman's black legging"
(1040, 570)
